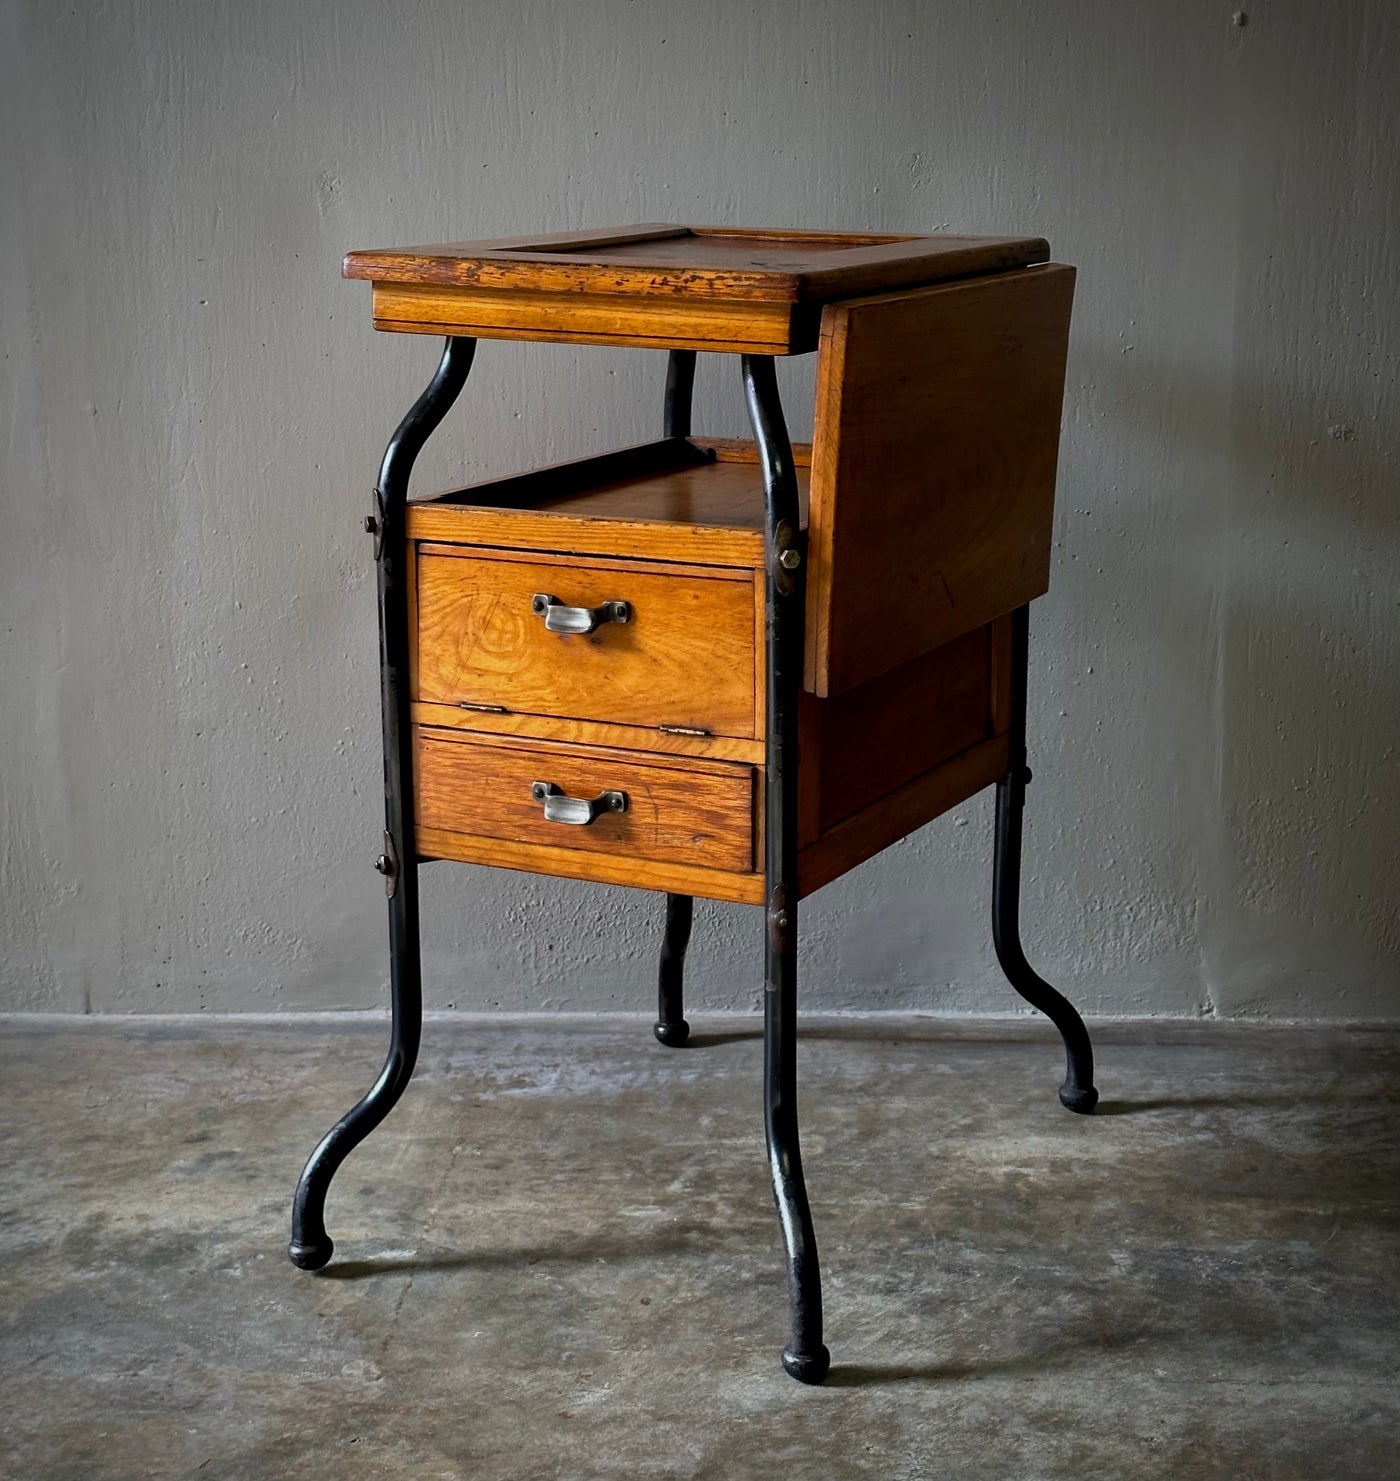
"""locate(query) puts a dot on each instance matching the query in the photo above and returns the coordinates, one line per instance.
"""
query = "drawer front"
(700, 814)
(685, 656)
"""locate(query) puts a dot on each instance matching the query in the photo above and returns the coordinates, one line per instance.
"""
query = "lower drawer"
(669, 810)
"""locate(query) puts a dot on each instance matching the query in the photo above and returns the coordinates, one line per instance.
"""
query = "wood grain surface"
(652, 739)
(933, 467)
(668, 321)
(700, 814)
(862, 836)
(685, 658)
(876, 738)
(708, 513)
(695, 263)
(614, 869)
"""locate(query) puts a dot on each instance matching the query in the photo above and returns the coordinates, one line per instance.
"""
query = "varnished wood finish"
(615, 869)
(743, 450)
(697, 814)
(729, 290)
(933, 467)
(931, 485)
(873, 829)
(743, 327)
(590, 733)
(699, 262)
(685, 658)
(875, 739)
(652, 502)
(1001, 675)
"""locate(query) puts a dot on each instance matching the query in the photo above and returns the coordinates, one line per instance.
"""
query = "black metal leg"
(805, 1357)
(671, 1028)
(311, 1246)
(1078, 1092)
(680, 387)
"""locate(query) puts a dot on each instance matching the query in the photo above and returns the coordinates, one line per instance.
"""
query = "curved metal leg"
(1078, 1092)
(671, 1028)
(805, 1357)
(311, 1246)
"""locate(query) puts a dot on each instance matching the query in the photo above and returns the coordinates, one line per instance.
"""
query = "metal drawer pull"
(580, 811)
(561, 619)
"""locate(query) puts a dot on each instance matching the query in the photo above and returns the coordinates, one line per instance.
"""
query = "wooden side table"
(719, 668)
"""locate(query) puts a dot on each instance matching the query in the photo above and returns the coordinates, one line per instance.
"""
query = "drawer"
(695, 813)
(685, 656)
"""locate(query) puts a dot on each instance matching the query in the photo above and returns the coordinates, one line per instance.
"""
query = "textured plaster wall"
(194, 407)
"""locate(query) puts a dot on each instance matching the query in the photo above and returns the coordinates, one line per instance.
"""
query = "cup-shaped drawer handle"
(580, 811)
(561, 619)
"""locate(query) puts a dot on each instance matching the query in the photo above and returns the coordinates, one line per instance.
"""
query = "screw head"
(383, 864)
(790, 559)
(371, 525)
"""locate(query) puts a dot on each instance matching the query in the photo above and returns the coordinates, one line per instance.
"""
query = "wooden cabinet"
(712, 667)
(926, 499)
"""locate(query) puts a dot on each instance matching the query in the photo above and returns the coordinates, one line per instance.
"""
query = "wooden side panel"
(700, 814)
(865, 834)
(883, 734)
(685, 658)
(933, 466)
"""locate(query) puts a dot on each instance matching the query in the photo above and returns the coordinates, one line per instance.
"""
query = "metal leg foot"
(1077, 1093)
(671, 1028)
(805, 1357)
(311, 1247)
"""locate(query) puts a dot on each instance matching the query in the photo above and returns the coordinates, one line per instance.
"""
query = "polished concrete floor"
(559, 1258)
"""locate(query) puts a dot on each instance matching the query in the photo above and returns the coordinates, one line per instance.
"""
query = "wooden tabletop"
(726, 263)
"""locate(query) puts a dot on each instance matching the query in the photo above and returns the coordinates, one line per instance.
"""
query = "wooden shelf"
(693, 500)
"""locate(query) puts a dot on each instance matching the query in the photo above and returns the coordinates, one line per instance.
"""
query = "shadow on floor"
(872, 1375)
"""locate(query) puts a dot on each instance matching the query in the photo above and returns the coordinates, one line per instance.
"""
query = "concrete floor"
(559, 1257)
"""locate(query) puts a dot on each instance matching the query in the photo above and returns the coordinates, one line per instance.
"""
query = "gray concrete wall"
(194, 407)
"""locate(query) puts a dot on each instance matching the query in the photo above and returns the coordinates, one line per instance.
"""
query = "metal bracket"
(388, 865)
(374, 524)
(787, 556)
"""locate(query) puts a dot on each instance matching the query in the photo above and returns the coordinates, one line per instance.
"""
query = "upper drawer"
(685, 656)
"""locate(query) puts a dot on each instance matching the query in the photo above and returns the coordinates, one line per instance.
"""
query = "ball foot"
(1083, 1101)
(311, 1254)
(807, 1367)
(672, 1035)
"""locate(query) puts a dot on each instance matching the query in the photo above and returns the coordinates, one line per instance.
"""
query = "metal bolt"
(371, 525)
(384, 864)
(790, 559)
